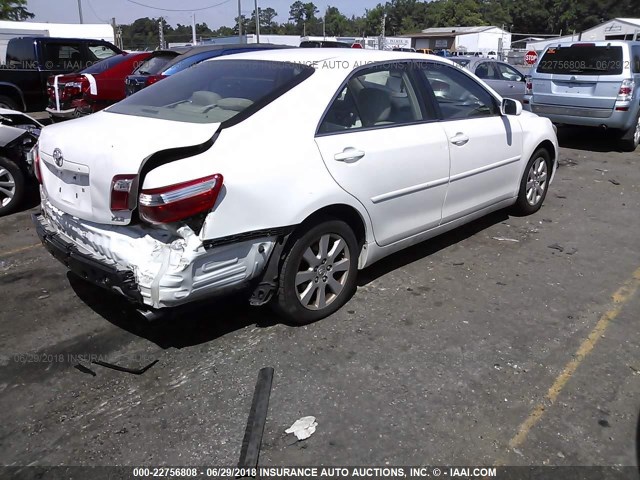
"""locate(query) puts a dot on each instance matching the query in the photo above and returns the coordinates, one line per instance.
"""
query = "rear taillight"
(79, 86)
(121, 187)
(528, 86)
(626, 90)
(151, 79)
(180, 201)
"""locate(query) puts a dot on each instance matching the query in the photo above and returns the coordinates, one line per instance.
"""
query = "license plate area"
(70, 184)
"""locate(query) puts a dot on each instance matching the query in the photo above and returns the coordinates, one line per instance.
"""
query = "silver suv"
(595, 84)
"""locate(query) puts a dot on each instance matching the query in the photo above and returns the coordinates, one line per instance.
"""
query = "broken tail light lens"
(121, 187)
(180, 201)
(626, 90)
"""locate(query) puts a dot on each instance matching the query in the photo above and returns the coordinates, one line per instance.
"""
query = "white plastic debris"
(504, 239)
(303, 428)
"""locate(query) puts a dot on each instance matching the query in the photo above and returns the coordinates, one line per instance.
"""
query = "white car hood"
(98, 147)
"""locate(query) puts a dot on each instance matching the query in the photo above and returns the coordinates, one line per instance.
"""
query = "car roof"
(194, 50)
(311, 56)
(597, 43)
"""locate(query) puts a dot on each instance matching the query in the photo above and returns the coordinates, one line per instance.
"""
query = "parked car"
(235, 186)
(591, 84)
(92, 89)
(31, 60)
(508, 81)
(324, 44)
(195, 55)
(426, 51)
(148, 72)
(18, 137)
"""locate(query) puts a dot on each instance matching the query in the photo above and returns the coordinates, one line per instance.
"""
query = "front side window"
(214, 91)
(375, 97)
(457, 94)
(154, 64)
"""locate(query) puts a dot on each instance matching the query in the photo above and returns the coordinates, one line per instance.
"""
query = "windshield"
(582, 60)
(106, 64)
(214, 91)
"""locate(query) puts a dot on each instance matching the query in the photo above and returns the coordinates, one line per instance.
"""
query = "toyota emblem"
(57, 157)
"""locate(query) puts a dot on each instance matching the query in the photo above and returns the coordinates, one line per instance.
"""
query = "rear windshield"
(106, 64)
(582, 60)
(214, 91)
(154, 64)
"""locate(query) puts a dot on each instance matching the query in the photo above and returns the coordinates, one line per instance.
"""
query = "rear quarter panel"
(273, 173)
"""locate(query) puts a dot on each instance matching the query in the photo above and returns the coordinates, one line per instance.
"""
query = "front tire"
(12, 186)
(534, 183)
(318, 275)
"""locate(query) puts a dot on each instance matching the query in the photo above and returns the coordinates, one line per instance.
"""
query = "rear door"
(383, 145)
(485, 146)
(579, 75)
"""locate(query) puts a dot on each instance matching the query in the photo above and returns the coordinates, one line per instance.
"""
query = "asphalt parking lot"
(509, 341)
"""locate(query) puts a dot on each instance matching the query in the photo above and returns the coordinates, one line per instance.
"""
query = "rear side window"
(376, 97)
(215, 91)
(582, 59)
(63, 56)
(21, 54)
(487, 71)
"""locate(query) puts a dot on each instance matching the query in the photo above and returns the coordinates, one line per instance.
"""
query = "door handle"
(349, 155)
(459, 139)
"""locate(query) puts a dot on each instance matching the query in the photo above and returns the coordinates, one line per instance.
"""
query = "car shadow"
(201, 322)
(588, 139)
(187, 326)
(429, 247)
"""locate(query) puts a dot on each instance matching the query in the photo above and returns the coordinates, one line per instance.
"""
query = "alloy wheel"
(323, 271)
(7, 187)
(536, 181)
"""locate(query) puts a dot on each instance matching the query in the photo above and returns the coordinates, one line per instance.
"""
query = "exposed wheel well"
(548, 146)
(343, 212)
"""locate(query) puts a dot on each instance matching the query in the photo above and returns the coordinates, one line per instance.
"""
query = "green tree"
(336, 24)
(14, 10)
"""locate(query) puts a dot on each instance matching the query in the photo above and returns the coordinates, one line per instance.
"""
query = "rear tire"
(12, 186)
(318, 275)
(631, 138)
(534, 183)
(8, 102)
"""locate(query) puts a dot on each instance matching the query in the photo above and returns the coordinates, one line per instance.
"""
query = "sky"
(101, 11)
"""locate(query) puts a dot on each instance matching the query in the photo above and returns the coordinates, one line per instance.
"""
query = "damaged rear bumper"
(98, 273)
(151, 267)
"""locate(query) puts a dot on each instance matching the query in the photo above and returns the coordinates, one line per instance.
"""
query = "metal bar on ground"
(257, 419)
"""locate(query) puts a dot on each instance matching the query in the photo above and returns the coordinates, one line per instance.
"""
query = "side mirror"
(510, 107)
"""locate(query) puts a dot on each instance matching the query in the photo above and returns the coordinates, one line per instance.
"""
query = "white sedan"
(283, 172)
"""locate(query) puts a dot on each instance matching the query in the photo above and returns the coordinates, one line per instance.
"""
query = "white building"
(465, 39)
(9, 30)
(616, 29)
(373, 43)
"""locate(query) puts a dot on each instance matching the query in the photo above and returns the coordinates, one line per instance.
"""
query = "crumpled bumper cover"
(98, 273)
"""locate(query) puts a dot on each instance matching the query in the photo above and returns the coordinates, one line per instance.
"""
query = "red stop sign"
(531, 57)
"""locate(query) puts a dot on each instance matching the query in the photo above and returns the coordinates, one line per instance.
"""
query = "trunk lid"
(90, 151)
(586, 91)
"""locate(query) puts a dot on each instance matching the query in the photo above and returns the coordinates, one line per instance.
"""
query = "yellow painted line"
(620, 298)
(19, 250)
